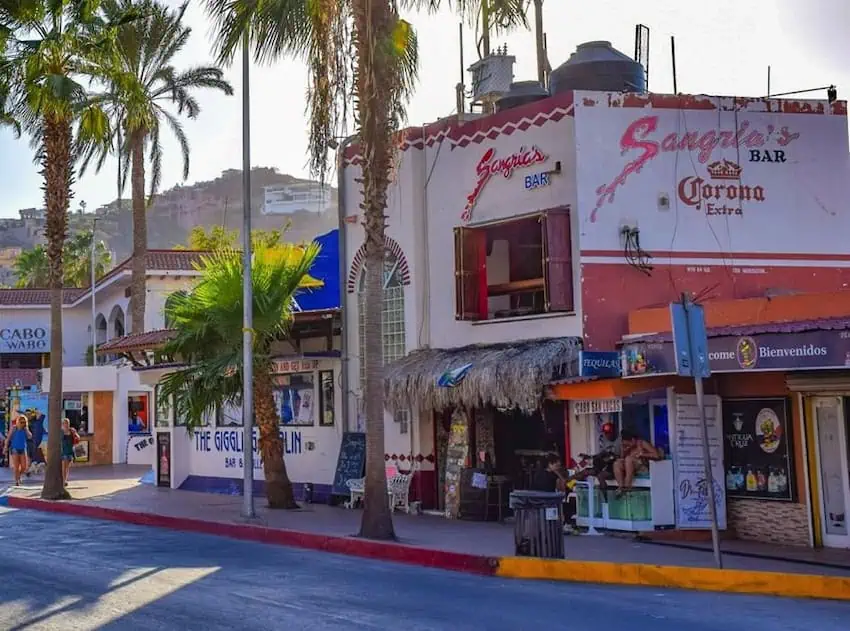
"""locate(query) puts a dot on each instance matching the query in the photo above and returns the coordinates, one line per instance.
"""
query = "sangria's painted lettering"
(490, 165)
(640, 136)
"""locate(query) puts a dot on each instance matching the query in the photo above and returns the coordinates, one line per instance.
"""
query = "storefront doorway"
(832, 438)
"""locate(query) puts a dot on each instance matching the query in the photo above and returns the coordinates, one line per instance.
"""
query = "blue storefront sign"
(804, 350)
(601, 364)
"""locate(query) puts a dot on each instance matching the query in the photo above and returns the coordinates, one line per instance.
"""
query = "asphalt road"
(71, 573)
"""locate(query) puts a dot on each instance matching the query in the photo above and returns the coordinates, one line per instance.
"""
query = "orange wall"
(750, 311)
(100, 449)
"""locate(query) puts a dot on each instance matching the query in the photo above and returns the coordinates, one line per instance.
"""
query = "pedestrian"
(16, 447)
(69, 439)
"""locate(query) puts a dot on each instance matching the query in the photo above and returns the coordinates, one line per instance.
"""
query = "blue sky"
(722, 47)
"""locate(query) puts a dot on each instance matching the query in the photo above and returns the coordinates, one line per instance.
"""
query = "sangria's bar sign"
(808, 350)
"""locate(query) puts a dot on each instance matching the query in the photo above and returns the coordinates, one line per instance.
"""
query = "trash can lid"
(535, 499)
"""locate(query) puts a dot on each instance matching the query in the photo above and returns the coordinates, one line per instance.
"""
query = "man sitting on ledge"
(636, 455)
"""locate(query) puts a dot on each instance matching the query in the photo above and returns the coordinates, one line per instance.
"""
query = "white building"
(121, 416)
(515, 239)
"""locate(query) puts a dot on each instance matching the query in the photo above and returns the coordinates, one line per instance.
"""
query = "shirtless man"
(636, 454)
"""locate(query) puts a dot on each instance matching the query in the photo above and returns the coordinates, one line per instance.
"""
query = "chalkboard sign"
(351, 463)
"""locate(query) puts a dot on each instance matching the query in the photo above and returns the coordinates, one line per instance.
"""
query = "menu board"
(351, 463)
(692, 507)
(756, 439)
(456, 454)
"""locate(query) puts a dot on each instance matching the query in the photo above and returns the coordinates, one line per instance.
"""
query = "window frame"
(277, 386)
(327, 400)
(470, 248)
(393, 297)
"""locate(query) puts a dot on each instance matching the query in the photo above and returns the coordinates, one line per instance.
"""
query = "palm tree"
(325, 33)
(208, 321)
(31, 268)
(78, 259)
(51, 46)
(143, 82)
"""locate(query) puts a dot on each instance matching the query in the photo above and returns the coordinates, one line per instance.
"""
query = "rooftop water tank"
(520, 93)
(600, 67)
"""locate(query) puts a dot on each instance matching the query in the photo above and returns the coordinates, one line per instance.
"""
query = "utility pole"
(247, 293)
(93, 306)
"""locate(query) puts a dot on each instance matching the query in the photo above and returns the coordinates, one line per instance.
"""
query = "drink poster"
(756, 441)
(692, 507)
(456, 455)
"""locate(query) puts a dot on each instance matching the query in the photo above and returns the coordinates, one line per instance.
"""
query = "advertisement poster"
(692, 507)
(756, 441)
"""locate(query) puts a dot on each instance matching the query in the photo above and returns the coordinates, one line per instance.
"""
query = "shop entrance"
(832, 439)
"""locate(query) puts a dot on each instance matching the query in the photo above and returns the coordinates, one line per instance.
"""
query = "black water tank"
(521, 92)
(598, 66)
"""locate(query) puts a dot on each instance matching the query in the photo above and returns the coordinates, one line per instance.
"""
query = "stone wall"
(782, 523)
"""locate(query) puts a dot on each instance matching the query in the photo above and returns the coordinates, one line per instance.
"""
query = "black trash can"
(538, 531)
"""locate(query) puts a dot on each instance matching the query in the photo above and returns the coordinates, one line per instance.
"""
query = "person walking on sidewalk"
(16, 447)
(69, 439)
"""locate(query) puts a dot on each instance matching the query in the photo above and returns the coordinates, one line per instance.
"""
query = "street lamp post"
(247, 295)
(93, 307)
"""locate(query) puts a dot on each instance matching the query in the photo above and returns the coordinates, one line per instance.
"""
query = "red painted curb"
(439, 559)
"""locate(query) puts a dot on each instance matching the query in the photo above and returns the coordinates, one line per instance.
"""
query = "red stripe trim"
(766, 256)
(441, 559)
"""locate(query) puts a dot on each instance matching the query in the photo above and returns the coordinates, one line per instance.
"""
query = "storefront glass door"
(833, 470)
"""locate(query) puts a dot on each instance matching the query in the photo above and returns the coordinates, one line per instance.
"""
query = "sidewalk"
(115, 493)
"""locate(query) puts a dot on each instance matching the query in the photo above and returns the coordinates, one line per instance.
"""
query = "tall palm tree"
(328, 34)
(209, 341)
(144, 81)
(51, 47)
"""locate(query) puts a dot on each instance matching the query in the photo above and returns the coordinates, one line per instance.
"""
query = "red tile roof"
(155, 261)
(146, 341)
(27, 377)
(36, 296)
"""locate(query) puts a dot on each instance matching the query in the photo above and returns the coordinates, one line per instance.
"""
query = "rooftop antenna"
(460, 88)
(673, 55)
(642, 50)
(540, 40)
(768, 81)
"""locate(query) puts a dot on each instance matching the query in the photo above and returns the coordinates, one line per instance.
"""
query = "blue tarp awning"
(326, 269)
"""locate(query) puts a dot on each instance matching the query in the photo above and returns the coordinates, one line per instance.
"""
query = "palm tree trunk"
(278, 486)
(373, 23)
(57, 196)
(140, 233)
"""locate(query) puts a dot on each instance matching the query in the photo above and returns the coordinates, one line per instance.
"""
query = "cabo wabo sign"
(24, 340)
(719, 189)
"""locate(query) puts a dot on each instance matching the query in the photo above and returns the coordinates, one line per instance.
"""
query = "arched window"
(392, 314)
(168, 302)
(116, 322)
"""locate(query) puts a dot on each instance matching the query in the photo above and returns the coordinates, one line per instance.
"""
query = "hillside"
(307, 208)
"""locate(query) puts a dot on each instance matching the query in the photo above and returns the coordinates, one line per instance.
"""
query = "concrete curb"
(700, 579)
(439, 559)
(693, 578)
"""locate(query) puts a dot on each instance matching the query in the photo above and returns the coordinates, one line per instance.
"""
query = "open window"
(514, 268)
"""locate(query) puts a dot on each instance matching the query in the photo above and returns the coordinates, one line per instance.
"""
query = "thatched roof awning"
(503, 375)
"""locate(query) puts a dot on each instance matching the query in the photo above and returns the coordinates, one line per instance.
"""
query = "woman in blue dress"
(16, 447)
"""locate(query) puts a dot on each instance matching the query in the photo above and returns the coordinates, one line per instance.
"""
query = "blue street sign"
(690, 341)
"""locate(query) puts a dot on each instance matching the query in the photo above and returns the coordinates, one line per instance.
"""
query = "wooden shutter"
(470, 274)
(557, 260)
